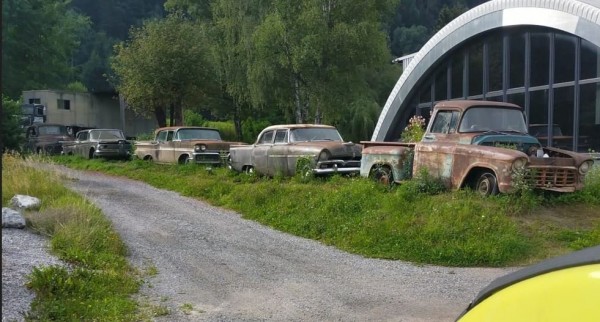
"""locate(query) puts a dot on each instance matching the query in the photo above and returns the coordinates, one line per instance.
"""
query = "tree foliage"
(162, 67)
(39, 38)
(12, 134)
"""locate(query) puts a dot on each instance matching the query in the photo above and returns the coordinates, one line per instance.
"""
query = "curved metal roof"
(577, 17)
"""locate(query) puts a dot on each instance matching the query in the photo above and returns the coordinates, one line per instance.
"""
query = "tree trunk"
(297, 95)
(178, 112)
(161, 116)
(171, 115)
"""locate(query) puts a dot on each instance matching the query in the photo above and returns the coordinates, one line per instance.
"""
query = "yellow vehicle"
(565, 288)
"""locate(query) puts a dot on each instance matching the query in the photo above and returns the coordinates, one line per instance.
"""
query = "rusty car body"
(185, 144)
(46, 138)
(297, 148)
(478, 144)
(99, 143)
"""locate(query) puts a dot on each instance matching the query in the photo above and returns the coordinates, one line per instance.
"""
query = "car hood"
(212, 145)
(522, 142)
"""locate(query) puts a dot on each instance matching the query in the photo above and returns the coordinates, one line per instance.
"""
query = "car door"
(278, 153)
(260, 153)
(79, 144)
(166, 148)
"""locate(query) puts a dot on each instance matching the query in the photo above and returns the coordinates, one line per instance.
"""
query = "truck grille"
(553, 177)
(209, 158)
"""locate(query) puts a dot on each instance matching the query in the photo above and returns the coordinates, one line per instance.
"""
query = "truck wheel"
(183, 159)
(382, 174)
(487, 184)
(91, 154)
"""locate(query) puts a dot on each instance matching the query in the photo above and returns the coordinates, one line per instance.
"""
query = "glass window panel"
(562, 129)
(425, 93)
(538, 110)
(564, 65)
(476, 69)
(441, 84)
(458, 63)
(589, 118)
(495, 60)
(518, 99)
(517, 60)
(540, 57)
(590, 60)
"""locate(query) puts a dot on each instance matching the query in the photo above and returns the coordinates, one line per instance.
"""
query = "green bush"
(227, 129)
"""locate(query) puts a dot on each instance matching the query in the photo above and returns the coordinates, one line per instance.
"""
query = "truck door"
(436, 150)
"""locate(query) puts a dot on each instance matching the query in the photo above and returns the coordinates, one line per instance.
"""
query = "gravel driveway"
(232, 269)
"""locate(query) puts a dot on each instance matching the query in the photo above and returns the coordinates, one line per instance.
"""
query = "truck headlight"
(585, 167)
(519, 163)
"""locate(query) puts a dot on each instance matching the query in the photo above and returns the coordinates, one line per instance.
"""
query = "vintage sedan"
(297, 148)
(99, 143)
(46, 138)
(184, 144)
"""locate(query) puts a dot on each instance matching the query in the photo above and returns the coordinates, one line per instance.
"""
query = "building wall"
(89, 110)
(542, 55)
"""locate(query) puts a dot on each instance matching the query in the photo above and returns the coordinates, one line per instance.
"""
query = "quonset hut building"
(543, 55)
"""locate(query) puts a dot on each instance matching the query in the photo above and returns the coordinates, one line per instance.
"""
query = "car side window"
(170, 136)
(266, 138)
(162, 136)
(281, 137)
(442, 122)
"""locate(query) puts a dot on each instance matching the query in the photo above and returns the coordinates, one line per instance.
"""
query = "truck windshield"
(198, 134)
(315, 134)
(107, 135)
(52, 130)
(487, 118)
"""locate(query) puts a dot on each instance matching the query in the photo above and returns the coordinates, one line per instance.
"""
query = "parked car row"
(477, 144)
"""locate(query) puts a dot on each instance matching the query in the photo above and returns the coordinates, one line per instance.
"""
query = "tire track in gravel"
(232, 269)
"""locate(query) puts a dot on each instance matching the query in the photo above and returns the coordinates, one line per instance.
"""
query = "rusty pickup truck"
(483, 145)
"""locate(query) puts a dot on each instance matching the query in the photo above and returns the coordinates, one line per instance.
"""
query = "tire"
(91, 154)
(487, 184)
(184, 159)
(249, 170)
(382, 174)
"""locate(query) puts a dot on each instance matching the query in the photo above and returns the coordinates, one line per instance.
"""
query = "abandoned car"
(478, 144)
(46, 138)
(185, 144)
(297, 148)
(99, 143)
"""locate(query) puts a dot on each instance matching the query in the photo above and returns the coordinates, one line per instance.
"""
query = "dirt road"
(226, 268)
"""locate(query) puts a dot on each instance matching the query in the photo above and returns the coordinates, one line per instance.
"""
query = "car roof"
(175, 128)
(465, 104)
(583, 257)
(298, 126)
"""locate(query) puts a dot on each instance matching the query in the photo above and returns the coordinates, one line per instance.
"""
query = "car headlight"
(200, 147)
(585, 167)
(519, 163)
(323, 156)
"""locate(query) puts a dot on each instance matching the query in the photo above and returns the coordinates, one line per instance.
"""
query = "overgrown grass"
(415, 221)
(98, 282)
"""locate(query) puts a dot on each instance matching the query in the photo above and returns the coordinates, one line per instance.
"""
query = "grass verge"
(411, 222)
(98, 282)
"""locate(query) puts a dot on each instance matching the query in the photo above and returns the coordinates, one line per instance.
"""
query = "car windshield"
(107, 135)
(486, 118)
(52, 130)
(198, 134)
(315, 134)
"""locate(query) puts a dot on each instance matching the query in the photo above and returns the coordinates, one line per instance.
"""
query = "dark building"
(542, 55)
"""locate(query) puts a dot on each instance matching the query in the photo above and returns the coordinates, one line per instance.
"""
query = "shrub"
(415, 129)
